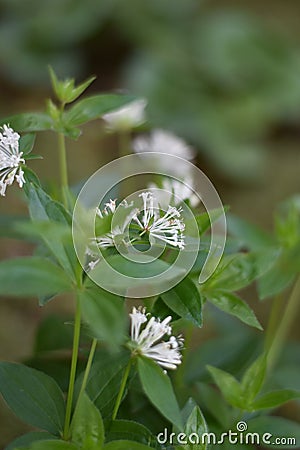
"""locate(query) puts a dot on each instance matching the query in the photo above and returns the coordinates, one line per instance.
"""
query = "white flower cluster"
(167, 228)
(10, 159)
(147, 339)
(126, 117)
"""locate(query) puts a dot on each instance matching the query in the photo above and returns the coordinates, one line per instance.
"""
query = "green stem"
(75, 349)
(121, 391)
(283, 329)
(275, 315)
(88, 367)
(63, 167)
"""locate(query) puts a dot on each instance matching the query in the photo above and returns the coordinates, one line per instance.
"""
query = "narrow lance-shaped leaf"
(274, 399)
(87, 429)
(254, 377)
(195, 427)
(158, 388)
(229, 386)
(94, 107)
(232, 304)
(185, 300)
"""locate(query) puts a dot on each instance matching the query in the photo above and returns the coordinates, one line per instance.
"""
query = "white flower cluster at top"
(10, 159)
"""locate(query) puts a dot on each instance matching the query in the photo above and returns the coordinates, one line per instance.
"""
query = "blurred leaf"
(234, 272)
(184, 299)
(8, 226)
(26, 143)
(33, 396)
(276, 280)
(51, 445)
(158, 388)
(250, 235)
(231, 351)
(232, 304)
(214, 404)
(195, 426)
(32, 276)
(87, 429)
(229, 386)
(203, 220)
(104, 314)
(29, 122)
(125, 445)
(129, 430)
(29, 438)
(77, 91)
(104, 382)
(274, 398)
(30, 177)
(275, 427)
(94, 107)
(254, 377)
(54, 225)
(53, 334)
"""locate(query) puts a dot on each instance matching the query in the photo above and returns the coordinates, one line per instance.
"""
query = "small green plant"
(145, 272)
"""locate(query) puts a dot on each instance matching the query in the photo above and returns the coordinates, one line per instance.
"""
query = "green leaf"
(125, 445)
(29, 438)
(30, 177)
(32, 276)
(196, 426)
(232, 304)
(275, 280)
(104, 382)
(143, 274)
(104, 313)
(270, 428)
(214, 404)
(158, 388)
(234, 272)
(203, 220)
(26, 143)
(254, 377)
(229, 386)
(275, 398)
(28, 122)
(250, 235)
(77, 91)
(51, 445)
(87, 429)
(185, 300)
(55, 228)
(129, 430)
(94, 107)
(33, 396)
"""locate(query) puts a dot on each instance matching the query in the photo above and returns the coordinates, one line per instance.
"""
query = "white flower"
(10, 159)
(161, 141)
(127, 117)
(167, 228)
(146, 339)
(109, 208)
(176, 191)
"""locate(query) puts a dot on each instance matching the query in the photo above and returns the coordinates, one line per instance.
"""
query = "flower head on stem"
(147, 339)
(10, 159)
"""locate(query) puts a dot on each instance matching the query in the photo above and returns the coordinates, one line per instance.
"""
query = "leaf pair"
(244, 394)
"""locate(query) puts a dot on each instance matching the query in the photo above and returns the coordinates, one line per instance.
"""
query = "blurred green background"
(224, 75)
